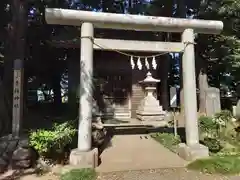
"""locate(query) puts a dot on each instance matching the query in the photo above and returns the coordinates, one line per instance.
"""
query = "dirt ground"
(159, 174)
(163, 174)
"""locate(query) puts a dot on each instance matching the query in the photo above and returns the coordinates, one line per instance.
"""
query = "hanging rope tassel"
(132, 62)
(154, 63)
(139, 64)
(146, 63)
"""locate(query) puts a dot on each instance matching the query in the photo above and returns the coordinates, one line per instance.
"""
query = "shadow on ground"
(144, 130)
(111, 131)
(19, 174)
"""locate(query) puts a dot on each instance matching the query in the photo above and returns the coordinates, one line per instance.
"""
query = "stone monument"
(149, 109)
(236, 109)
(213, 104)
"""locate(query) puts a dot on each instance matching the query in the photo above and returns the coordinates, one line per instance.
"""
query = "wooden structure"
(121, 93)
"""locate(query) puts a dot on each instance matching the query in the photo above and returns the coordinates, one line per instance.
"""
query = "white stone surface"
(86, 77)
(138, 46)
(191, 153)
(130, 22)
(81, 159)
(189, 89)
(149, 108)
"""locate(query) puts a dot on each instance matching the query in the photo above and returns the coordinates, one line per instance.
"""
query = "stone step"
(122, 115)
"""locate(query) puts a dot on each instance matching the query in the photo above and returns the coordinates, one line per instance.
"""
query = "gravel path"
(163, 174)
(160, 174)
(135, 152)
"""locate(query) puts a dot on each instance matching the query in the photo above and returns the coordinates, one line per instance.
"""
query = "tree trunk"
(15, 50)
(20, 7)
(167, 63)
(57, 90)
(182, 14)
(6, 86)
(73, 83)
(164, 88)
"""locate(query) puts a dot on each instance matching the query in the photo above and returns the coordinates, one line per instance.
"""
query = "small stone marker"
(17, 97)
(173, 97)
(213, 104)
(173, 104)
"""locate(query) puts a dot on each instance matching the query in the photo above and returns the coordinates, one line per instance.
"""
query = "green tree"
(221, 52)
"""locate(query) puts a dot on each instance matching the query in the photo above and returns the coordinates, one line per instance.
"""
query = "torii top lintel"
(130, 22)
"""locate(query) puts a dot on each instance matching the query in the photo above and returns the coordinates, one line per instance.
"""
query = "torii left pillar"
(84, 156)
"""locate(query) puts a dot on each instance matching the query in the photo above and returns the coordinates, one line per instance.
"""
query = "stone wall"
(16, 153)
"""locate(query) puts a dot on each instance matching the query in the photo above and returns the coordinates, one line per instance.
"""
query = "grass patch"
(217, 165)
(168, 140)
(80, 174)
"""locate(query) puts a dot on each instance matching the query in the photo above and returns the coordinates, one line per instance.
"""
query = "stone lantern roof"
(149, 79)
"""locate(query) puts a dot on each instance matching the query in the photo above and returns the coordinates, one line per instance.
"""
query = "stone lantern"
(149, 109)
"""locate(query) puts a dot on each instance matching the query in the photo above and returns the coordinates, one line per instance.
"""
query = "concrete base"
(191, 153)
(155, 124)
(150, 116)
(82, 159)
(156, 120)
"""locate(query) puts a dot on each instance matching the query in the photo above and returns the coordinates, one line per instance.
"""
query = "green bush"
(168, 140)
(219, 165)
(79, 174)
(226, 127)
(213, 144)
(224, 116)
(53, 140)
(207, 126)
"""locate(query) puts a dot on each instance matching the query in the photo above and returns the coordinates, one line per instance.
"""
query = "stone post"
(84, 156)
(17, 97)
(192, 149)
(86, 77)
(189, 90)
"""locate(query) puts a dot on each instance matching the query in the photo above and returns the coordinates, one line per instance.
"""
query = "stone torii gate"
(83, 155)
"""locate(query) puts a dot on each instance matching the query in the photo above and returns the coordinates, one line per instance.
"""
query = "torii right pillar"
(192, 149)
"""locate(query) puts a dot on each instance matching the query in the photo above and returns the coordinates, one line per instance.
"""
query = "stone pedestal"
(191, 153)
(82, 159)
(149, 109)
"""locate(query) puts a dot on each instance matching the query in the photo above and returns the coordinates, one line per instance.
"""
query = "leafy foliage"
(217, 125)
(220, 165)
(80, 174)
(219, 133)
(54, 140)
(221, 52)
(207, 126)
(213, 144)
(168, 140)
(223, 117)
